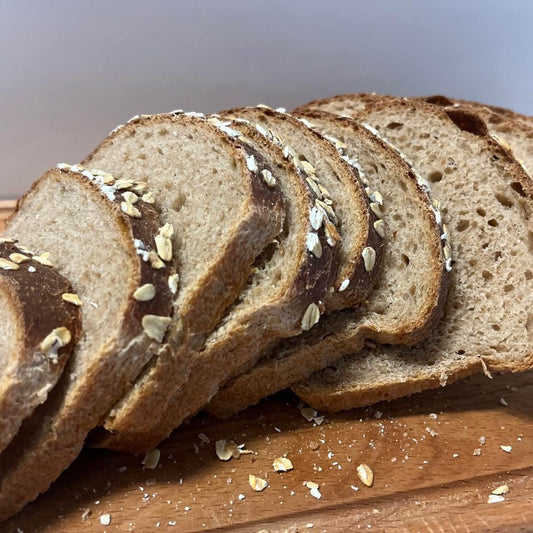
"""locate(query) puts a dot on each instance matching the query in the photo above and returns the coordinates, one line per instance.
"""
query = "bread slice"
(211, 187)
(288, 286)
(340, 182)
(512, 128)
(93, 226)
(409, 294)
(488, 204)
(40, 323)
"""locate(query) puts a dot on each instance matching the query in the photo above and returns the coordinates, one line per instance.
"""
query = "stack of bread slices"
(359, 249)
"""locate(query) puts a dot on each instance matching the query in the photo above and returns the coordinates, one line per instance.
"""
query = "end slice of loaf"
(92, 226)
(211, 187)
(408, 298)
(487, 199)
(40, 325)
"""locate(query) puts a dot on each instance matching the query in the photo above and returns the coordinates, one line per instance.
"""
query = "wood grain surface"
(432, 472)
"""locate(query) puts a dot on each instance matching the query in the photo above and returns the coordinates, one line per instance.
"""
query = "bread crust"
(347, 330)
(36, 299)
(336, 399)
(50, 439)
(255, 225)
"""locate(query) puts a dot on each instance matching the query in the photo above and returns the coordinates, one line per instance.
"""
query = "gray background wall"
(71, 70)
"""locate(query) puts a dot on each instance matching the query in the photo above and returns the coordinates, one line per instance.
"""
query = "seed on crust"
(148, 198)
(307, 167)
(140, 186)
(56, 339)
(145, 292)
(156, 326)
(164, 247)
(311, 317)
(71, 298)
(332, 235)
(130, 197)
(173, 283)
(18, 258)
(314, 245)
(130, 210)
(270, 180)
(282, 464)
(329, 211)
(4, 239)
(376, 209)
(316, 216)
(502, 489)
(344, 285)
(155, 260)
(314, 187)
(365, 474)
(369, 258)
(251, 163)
(43, 259)
(123, 184)
(257, 483)
(379, 226)
(5, 264)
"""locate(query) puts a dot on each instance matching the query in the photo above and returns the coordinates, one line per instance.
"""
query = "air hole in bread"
(487, 276)
(190, 136)
(141, 156)
(507, 202)
(495, 327)
(147, 134)
(460, 352)
(528, 274)
(517, 187)
(424, 135)
(233, 163)
(462, 225)
(508, 288)
(132, 132)
(497, 255)
(163, 131)
(530, 241)
(485, 245)
(160, 151)
(481, 212)
(405, 259)
(493, 223)
(472, 263)
(179, 201)
(467, 122)
(394, 125)
(529, 323)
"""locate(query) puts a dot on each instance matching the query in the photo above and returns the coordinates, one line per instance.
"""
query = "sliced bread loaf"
(348, 210)
(488, 203)
(210, 186)
(409, 294)
(92, 225)
(284, 295)
(40, 323)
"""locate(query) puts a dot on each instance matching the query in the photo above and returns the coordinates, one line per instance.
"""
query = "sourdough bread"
(409, 294)
(290, 281)
(100, 235)
(487, 199)
(210, 186)
(40, 325)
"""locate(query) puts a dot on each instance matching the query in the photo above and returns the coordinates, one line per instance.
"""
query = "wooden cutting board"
(431, 471)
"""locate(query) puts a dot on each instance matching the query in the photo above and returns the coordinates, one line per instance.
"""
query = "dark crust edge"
(361, 281)
(38, 300)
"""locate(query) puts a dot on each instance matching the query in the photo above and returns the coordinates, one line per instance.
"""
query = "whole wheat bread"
(290, 281)
(210, 186)
(488, 204)
(92, 226)
(40, 325)
(409, 294)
